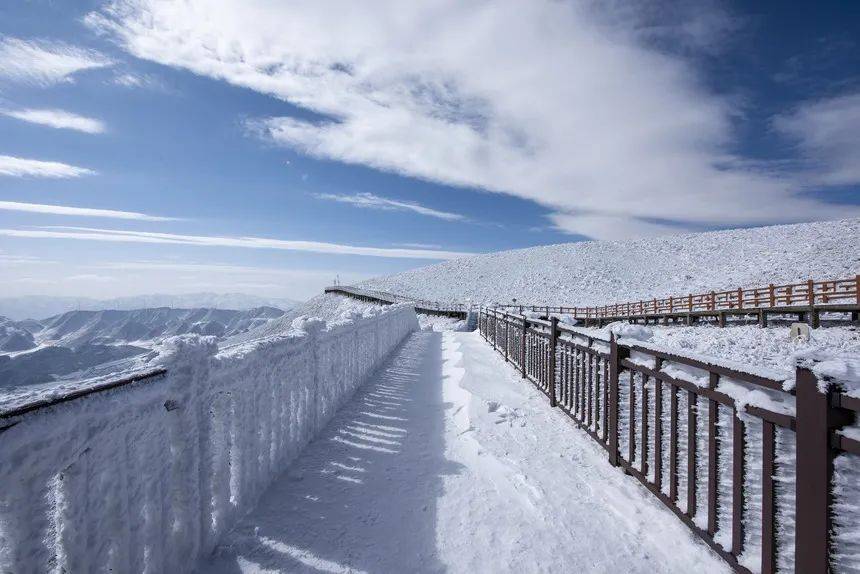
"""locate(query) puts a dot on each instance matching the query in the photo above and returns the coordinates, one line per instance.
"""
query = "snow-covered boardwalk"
(447, 461)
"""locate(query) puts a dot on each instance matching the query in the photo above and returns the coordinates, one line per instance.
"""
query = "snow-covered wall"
(146, 478)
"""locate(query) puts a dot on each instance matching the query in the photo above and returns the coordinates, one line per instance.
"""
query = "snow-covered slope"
(14, 336)
(601, 272)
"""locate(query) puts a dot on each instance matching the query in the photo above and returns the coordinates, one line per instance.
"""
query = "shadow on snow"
(361, 497)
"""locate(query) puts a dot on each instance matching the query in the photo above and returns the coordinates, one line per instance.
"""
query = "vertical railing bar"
(673, 443)
(658, 429)
(738, 474)
(598, 380)
(589, 385)
(692, 405)
(713, 454)
(631, 422)
(605, 400)
(644, 439)
(768, 509)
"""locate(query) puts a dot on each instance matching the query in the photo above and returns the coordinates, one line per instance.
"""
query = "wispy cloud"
(139, 81)
(124, 236)
(44, 62)
(79, 211)
(371, 201)
(59, 119)
(628, 133)
(827, 132)
(22, 167)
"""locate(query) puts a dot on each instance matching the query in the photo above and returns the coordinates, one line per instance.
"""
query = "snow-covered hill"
(601, 272)
(14, 336)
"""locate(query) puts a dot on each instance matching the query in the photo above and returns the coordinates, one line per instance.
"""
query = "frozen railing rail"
(145, 474)
(421, 305)
(745, 461)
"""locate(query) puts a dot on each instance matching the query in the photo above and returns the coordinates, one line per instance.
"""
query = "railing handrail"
(709, 364)
(803, 294)
(99, 387)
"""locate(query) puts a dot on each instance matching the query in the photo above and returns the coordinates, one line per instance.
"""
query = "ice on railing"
(147, 477)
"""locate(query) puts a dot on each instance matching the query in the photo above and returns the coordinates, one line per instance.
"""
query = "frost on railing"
(147, 477)
(744, 458)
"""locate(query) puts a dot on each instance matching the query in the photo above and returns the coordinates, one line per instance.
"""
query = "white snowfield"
(605, 272)
(148, 477)
(447, 461)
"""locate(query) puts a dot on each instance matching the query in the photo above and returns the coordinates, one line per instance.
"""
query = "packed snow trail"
(448, 461)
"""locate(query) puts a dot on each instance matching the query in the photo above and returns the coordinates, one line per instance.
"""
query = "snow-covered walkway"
(448, 461)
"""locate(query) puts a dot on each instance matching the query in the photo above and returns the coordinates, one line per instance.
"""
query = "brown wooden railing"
(673, 423)
(814, 296)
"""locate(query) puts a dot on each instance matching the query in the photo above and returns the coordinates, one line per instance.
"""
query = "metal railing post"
(616, 354)
(816, 418)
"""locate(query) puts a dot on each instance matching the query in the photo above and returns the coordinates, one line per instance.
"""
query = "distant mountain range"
(40, 351)
(39, 307)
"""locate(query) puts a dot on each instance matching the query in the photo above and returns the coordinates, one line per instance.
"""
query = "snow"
(604, 272)
(449, 461)
(440, 323)
(766, 352)
(148, 477)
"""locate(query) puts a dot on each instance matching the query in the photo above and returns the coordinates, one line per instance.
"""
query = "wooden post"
(740, 298)
(857, 288)
(616, 355)
(772, 295)
(553, 339)
(816, 418)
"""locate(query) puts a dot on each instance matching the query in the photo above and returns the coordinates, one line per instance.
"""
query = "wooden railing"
(805, 295)
(675, 424)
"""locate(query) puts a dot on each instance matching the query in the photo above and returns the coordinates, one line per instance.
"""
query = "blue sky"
(259, 147)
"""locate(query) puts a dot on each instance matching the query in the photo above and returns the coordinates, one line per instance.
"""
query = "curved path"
(448, 461)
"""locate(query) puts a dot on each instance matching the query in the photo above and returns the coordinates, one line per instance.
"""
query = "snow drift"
(146, 478)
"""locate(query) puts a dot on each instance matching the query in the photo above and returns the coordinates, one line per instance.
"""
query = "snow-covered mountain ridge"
(603, 272)
(41, 306)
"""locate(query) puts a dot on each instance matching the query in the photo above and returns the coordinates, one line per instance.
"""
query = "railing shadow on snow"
(362, 497)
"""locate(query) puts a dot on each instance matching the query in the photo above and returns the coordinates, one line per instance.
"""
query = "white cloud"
(371, 201)
(123, 236)
(139, 81)
(599, 226)
(59, 119)
(827, 132)
(21, 167)
(78, 211)
(570, 104)
(45, 62)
